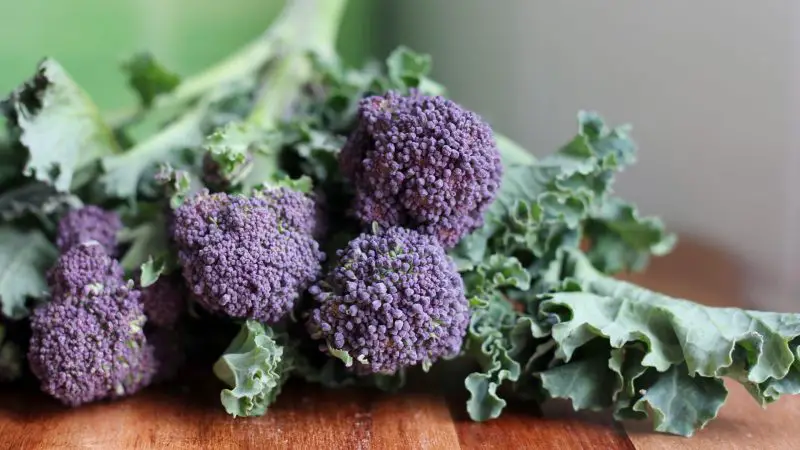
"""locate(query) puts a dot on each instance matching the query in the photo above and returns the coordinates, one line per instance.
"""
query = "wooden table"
(432, 417)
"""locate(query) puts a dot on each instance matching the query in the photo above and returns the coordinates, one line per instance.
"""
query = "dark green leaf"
(149, 78)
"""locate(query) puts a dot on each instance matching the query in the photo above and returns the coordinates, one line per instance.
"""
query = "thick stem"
(313, 26)
(303, 24)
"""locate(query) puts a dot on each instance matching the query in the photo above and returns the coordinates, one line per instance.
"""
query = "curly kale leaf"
(149, 78)
(59, 126)
(25, 256)
(622, 346)
(621, 240)
(254, 367)
(541, 206)
(488, 341)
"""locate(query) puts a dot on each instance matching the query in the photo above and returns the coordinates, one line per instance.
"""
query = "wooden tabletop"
(428, 416)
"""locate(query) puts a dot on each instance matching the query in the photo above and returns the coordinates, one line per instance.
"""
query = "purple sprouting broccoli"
(421, 162)
(393, 300)
(81, 268)
(164, 301)
(90, 346)
(88, 343)
(247, 257)
(89, 223)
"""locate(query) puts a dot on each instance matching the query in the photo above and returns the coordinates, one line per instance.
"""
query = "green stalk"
(312, 24)
(304, 26)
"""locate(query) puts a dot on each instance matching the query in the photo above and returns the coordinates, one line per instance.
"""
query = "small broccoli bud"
(91, 346)
(83, 267)
(394, 300)
(164, 301)
(296, 210)
(245, 257)
(89, 223)
(422, 162)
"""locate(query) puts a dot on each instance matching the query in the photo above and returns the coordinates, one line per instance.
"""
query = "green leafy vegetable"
(149, 78)
(621, 240)
(255, 367)
(59, 126)
(25, 257)
(151, 270)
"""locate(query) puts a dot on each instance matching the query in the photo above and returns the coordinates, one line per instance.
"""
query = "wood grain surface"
(429, 415)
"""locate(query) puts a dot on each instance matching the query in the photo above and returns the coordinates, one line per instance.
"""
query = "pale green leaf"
(25, 257)
(59, 125)
(254, 367)
(680, 403)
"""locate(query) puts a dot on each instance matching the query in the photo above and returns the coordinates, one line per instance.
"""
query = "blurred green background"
(90, 38)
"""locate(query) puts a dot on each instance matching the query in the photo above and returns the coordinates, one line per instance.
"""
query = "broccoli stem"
(310, 24)
(284, 82)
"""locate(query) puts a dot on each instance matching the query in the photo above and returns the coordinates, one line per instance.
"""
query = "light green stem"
(303, 24)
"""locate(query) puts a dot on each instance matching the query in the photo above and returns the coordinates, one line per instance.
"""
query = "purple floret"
(91, 346)
(240, 257)
(295, 209)
(83, 267)
(89, 223)
(422, 162)
(164, 301)
(394, 300)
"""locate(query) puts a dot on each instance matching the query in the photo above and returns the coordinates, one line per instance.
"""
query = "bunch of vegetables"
(342, 225)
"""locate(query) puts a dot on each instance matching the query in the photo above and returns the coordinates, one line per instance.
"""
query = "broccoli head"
(394, 300)
(90, 346)
(83, 267)
(246, 257)
(421, 162)
(89, 223)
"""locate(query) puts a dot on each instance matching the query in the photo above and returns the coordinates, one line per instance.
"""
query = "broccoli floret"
(164, 301)
(421, 162)
(245, 257)
(83, 267)
(90, 346)
(89, 223)
(394, 300)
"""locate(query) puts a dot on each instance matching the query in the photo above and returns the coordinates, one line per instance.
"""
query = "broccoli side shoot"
(246, 257)
(82, 268)
(254, 367)
(394, 300)
(89, 223)
(421, 162)
(90, 346)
